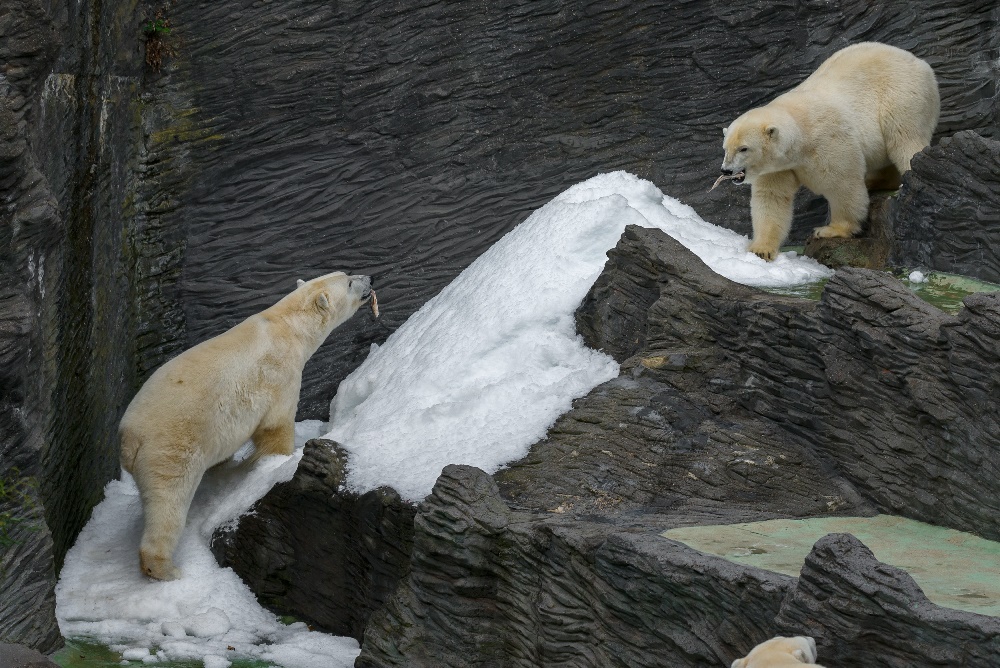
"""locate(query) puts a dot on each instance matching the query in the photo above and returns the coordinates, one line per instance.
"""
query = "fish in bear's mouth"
(736, 178)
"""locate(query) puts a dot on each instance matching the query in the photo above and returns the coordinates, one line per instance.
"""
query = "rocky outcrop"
(314, 550)
(869, 250)
(947, 215)
(19, 656)
(523, 590)
(865, 613)
(733, 405)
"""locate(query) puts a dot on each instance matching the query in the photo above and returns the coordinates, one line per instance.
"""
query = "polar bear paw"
(836, 230)
(158, 567)
(764, 251)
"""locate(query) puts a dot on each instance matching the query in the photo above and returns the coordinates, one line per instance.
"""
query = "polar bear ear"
(772, 131)
(739, 663)
(299, 283)
(322, 303)
(799, 655)
(725, 131)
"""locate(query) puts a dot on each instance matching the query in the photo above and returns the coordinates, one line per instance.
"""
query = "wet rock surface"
(328, 556)
(947, 215)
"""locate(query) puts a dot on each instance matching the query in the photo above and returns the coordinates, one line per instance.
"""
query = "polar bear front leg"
(771, 202)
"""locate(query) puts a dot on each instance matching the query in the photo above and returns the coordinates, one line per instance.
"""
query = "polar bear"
(199, 408)
(780, 652)
(860, 117)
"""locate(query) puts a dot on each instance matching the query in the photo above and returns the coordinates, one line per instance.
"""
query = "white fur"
(861, 116)
(199, 408)
(781, 652)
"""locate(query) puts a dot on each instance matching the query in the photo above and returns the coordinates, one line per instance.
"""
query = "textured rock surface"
(732, 405)
(29, 229)
(558, 591)
(144, 211)
(869, 250)
(890, 391)
(947, 215)
(865, 613)
(19, 656)
(400, 139)
(327, 556)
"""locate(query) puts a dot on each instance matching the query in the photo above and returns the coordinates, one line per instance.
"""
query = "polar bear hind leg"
(165, 503)
(848, 199)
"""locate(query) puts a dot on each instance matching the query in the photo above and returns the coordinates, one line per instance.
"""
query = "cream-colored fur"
(859, 118)
(199, 408)
(781, 652)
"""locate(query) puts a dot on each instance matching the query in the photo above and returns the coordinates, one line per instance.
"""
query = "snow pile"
(102, 595)
(476, 376)
(483, 369)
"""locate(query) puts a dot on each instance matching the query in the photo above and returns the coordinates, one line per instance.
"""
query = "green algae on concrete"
(946, 291)
(955, 569)
(940, 289)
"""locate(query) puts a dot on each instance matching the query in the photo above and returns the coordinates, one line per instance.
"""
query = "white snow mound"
(483, 369)
(102, 596)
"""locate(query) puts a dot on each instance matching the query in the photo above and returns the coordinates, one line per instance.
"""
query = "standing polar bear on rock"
(857, 120)
(199, 408)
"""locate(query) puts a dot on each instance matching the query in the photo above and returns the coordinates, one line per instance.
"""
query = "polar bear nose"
(363, 282)
(727, 172)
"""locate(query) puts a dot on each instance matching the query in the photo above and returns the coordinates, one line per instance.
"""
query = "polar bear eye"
(744, 149)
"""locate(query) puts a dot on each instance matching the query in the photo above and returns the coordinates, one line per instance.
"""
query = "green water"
(945, 291)
(955, 569)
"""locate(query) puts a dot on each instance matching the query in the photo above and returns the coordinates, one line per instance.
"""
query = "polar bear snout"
(360, 287)
(736, 176)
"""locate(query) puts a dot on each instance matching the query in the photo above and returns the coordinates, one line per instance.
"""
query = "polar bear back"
(182, 396)
(879, 89)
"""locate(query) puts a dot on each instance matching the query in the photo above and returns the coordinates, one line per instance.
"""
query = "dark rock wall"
(316, 551)
(29, 242)
(403, 139)
(947, 215)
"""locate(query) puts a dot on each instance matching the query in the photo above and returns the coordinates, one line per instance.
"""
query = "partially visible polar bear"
(860, 116)
(198, 409)
(781, 652)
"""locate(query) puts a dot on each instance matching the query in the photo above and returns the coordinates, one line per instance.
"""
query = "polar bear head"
(760, 141)
(780, 651)
(331, 299)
